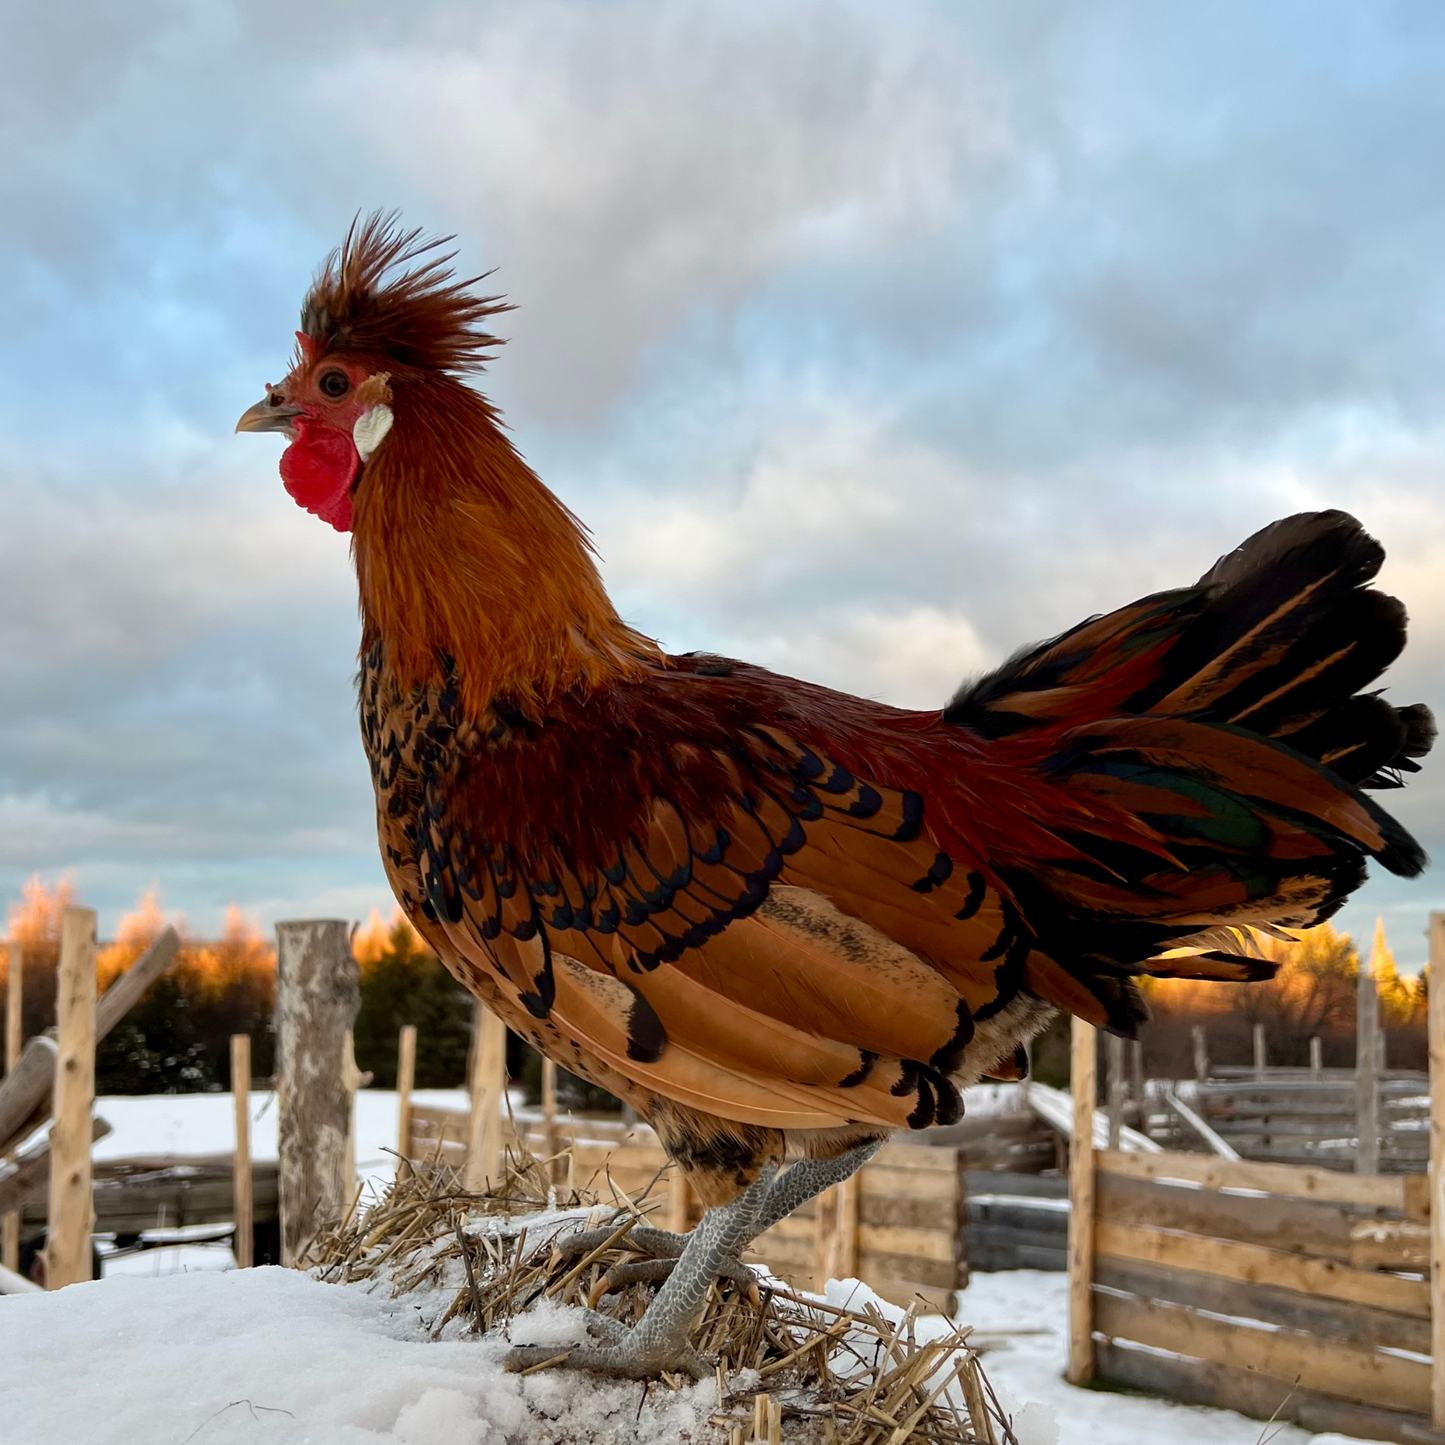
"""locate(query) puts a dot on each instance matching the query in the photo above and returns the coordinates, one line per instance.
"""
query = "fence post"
(1261, 1054)
(1201, 1053)
(67, 1248)
(835, 1233)
(14, 997)
(1367, 1062)
(241, 1159)
(489, 1081)
(317, 996)
(1437, 1168)
(1317, 1055)
(549, 1117)
(352, 1079)
(1116, 1089)
(405, 1082)
(1083, 1080)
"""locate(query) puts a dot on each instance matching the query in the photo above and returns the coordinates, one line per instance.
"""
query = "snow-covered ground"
(269, 1357)
(177, 1347)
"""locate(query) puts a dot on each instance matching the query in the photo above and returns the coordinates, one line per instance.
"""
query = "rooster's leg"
(796, 1186)
(660, 1341)
(809, 1177)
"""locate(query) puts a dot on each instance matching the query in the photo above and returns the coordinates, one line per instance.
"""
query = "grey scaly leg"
(808, 1177)
(659, 1341)
(798, 1184)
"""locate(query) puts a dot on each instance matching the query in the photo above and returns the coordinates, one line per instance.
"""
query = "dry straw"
(790, 1367)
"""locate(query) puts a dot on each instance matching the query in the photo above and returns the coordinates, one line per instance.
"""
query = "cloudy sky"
(872, 340)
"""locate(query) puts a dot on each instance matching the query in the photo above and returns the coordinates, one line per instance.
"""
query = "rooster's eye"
(334, 384)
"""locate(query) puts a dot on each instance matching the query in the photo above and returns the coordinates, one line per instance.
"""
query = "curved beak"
(271, 414)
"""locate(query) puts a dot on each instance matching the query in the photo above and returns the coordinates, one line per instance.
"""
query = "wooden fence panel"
(1366, 1377)
(1295, 1226)
(1269, 1288)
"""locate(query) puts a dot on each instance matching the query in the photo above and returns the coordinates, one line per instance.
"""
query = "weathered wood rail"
(1261, 1287)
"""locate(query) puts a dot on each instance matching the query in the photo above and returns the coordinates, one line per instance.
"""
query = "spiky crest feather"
(472, 573)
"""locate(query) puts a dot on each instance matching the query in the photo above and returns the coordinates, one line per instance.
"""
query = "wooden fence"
(1272, 1289)
(898, 1226)
(1299, 1118)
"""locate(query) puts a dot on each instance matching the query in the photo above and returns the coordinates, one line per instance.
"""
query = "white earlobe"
(370, 429)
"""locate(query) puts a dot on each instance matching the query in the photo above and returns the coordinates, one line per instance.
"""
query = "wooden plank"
(875, 1182)
(1203, 1382)
(488, 1085)
(934, 1214)
(241, 1168)
(1398, 1244)
(405, 1082)
(25, 1180)
(1436, 1023)
(1297, 1183)
(1368, 1377)
(1254, 1264)
(935, 1244)
(1325, 1319)
(937, 1273)
(1045, 1186)
(1295, 1225)
(915, 1157)
(1083, 1062)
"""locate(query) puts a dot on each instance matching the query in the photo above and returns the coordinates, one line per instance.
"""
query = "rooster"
(779, 921)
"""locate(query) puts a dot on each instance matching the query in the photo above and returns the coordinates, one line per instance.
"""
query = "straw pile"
(790, 1367)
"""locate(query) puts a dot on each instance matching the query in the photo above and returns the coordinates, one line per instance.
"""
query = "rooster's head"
(372, 326)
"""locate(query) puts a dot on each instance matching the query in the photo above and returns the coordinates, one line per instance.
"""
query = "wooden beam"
(14, 998)
(488, 1085)
(1346, 1322)
(405, 1082)
(241, 1188)
(67, 1248)
(1369, 1377)
(1437, 1167)
(1258, 1264)
(24, 1093)
(1083, 1082)
(26, 1179)
(317, 996)
(1212, 1140)
(1293, 1180)
(1261, 1057)
(1317, 1055)
(128, 990)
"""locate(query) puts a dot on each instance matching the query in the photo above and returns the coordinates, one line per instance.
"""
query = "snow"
(175, 1345)
(151, 1124)
(271, 1357)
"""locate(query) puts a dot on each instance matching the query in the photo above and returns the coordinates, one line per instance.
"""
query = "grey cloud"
(872, 342)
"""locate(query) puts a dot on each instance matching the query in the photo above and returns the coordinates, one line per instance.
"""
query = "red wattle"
(318, 469)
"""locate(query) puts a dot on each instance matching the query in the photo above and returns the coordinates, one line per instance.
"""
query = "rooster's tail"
(1214, 741)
